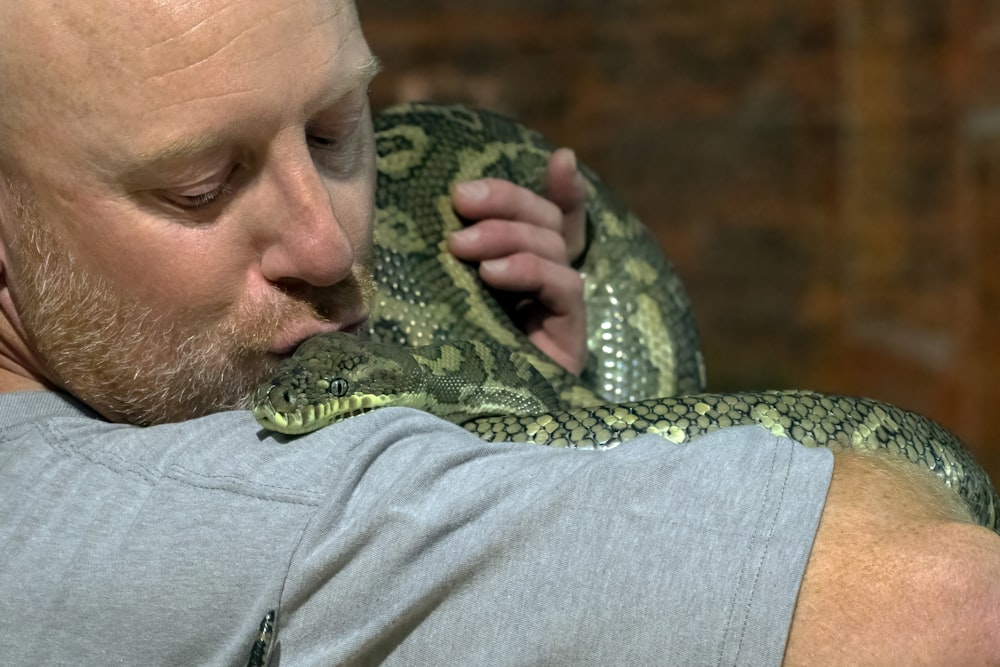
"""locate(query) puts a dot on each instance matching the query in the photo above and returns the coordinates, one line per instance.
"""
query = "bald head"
(67, 62)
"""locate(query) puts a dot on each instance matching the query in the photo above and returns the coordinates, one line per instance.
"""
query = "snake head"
(334, 376)
(337, 375)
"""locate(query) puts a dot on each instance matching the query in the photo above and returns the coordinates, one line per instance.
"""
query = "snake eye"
(338, 387)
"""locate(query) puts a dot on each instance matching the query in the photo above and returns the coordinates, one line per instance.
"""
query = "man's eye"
(336, 135)
(321, 142)
(335, 151)
(201, 199)
(202, 194)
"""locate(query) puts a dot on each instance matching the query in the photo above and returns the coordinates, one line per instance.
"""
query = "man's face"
(191, 193)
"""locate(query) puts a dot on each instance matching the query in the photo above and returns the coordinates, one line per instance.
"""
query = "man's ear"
(8, 217)
(15, 198)
(3, 264)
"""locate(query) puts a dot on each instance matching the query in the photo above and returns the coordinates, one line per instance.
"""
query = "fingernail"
(467, 234)
(572, 158)
(474, 190)
(494, 265)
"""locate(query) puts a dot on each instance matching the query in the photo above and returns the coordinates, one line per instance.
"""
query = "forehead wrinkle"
(203, 98)
(186, 50)
(169, 40)
(183, 55)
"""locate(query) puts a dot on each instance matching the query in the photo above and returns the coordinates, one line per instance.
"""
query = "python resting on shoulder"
(439, 341)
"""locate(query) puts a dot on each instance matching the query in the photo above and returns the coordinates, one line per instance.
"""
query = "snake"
(439, 340)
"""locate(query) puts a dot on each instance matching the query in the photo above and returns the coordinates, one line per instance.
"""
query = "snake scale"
(439, 341)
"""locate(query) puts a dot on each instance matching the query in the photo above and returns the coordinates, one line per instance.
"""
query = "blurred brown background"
(824, 173)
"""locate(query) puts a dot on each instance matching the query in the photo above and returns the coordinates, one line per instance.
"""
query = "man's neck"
(19, 368)
(11, 380)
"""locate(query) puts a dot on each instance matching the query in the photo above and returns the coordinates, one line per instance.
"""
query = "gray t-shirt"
(393, 537)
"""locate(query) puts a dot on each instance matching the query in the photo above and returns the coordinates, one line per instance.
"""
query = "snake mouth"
(316, 415)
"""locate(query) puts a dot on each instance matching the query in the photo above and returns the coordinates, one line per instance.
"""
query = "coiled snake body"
(437, 340)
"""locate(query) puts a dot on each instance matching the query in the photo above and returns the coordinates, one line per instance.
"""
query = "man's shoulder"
(227, 451)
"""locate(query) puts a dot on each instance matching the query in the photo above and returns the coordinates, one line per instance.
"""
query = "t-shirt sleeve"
(441, 549)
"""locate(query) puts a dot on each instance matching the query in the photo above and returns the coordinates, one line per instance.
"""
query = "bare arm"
(897, 575)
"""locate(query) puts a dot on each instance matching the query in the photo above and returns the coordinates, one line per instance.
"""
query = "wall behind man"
(820, 171)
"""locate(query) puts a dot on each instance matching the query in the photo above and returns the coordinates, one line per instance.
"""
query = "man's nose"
(306, 239)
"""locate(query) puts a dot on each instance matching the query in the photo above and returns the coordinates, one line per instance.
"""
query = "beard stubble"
(132, 363)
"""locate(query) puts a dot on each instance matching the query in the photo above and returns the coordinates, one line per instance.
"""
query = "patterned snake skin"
(645, 373)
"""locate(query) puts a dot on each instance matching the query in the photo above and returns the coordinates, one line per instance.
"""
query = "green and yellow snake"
(438, 341)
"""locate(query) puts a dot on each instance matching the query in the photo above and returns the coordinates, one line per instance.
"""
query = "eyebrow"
(367, 72)
(360, 77)
(144, 164)
(149, 163)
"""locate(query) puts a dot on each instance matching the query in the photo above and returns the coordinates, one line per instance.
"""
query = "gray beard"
(133, 364)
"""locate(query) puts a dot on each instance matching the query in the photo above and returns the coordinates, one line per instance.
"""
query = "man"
(186, 196)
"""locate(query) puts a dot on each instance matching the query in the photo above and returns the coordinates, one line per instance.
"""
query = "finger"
(553, 313)
(496, 198)
(557, 336)
(557, 287)
(492, 239)
(566, 188)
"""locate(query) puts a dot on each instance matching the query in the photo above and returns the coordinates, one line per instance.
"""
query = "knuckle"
(574, 282)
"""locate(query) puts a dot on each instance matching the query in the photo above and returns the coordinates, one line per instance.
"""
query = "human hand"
(525, 244)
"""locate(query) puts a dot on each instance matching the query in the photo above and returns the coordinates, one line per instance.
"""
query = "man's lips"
(287, 340)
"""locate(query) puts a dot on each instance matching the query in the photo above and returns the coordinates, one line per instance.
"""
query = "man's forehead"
(147, 36)
(121, 62)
